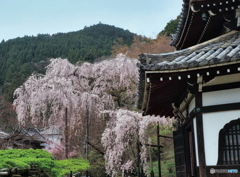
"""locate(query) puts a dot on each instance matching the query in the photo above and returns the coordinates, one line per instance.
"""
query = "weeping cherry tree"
(124, 131)
(67, 93)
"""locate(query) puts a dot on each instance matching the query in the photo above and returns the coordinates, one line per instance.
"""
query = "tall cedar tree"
(20, 57)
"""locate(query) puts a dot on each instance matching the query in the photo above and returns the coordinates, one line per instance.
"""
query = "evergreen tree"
(171, 27)
(21, 56)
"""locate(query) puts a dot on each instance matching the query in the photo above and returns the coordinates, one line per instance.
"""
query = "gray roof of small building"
(220, 50)
(32, 133)
(3, 135)
(51, 130)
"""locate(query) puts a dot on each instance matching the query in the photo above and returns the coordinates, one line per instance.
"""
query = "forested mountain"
(170, 27)
(22, 56)
(109, 86)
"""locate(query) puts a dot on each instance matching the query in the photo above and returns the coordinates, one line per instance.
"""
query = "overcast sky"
(32, 17)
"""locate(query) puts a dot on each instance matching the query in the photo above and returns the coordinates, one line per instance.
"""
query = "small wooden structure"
(200, 86)
(52, 134)
(22, 139)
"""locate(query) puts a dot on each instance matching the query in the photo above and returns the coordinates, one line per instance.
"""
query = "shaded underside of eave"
(197, 30)
(162, 95)
(219, 12)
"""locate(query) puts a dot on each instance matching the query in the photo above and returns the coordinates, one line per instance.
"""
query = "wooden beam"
(159, 151)
(152, 145)
(200, 137)
(100, 152)
(221, 107)
(165, 136)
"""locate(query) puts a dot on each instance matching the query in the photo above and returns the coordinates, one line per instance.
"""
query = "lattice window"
(229, 143)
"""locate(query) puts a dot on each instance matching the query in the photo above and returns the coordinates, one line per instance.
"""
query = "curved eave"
(165, 88)
(198, 31)
(183, 16)
(193, 30)
(162, 95)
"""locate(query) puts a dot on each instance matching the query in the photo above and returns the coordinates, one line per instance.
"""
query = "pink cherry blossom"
(42, 99)
(70, 95)
(122, 133)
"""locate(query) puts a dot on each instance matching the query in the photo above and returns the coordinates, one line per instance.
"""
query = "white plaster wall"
(221, 97)
(223, 80)
(212, 124)
(54, 138)
(184, 113)
(195, 137)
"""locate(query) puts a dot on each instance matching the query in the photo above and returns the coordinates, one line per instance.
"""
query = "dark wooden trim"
(186, 123)
(153, 145)
(166, 136)
(221, 87)
(193, 113)
(200, 136)
(155, 77)
(215, 108)
(190, 155)
(221, 107)
(187, 149)
(94, 147)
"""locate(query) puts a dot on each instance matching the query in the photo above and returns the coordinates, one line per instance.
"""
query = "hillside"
(170, 27)
(110, 84)
(22, 56)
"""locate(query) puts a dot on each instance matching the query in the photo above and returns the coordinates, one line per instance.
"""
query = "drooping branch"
(128, 128)
(97, 149)
(42, 99)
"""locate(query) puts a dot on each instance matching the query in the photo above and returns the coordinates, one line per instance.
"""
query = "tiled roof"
(165, 77)
(50, 131)
(3, 135)
(220, 50)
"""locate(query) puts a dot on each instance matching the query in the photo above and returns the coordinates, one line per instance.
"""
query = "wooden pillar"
(88, 117)
(138, 158)
(87, 136)
(200, 133)
(159, 151)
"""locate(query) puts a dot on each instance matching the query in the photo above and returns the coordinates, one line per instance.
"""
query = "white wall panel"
(224, 80)
(195, 137)
(191, 105)
(221, 97)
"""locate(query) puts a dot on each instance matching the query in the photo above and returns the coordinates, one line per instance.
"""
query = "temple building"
(199, 85)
